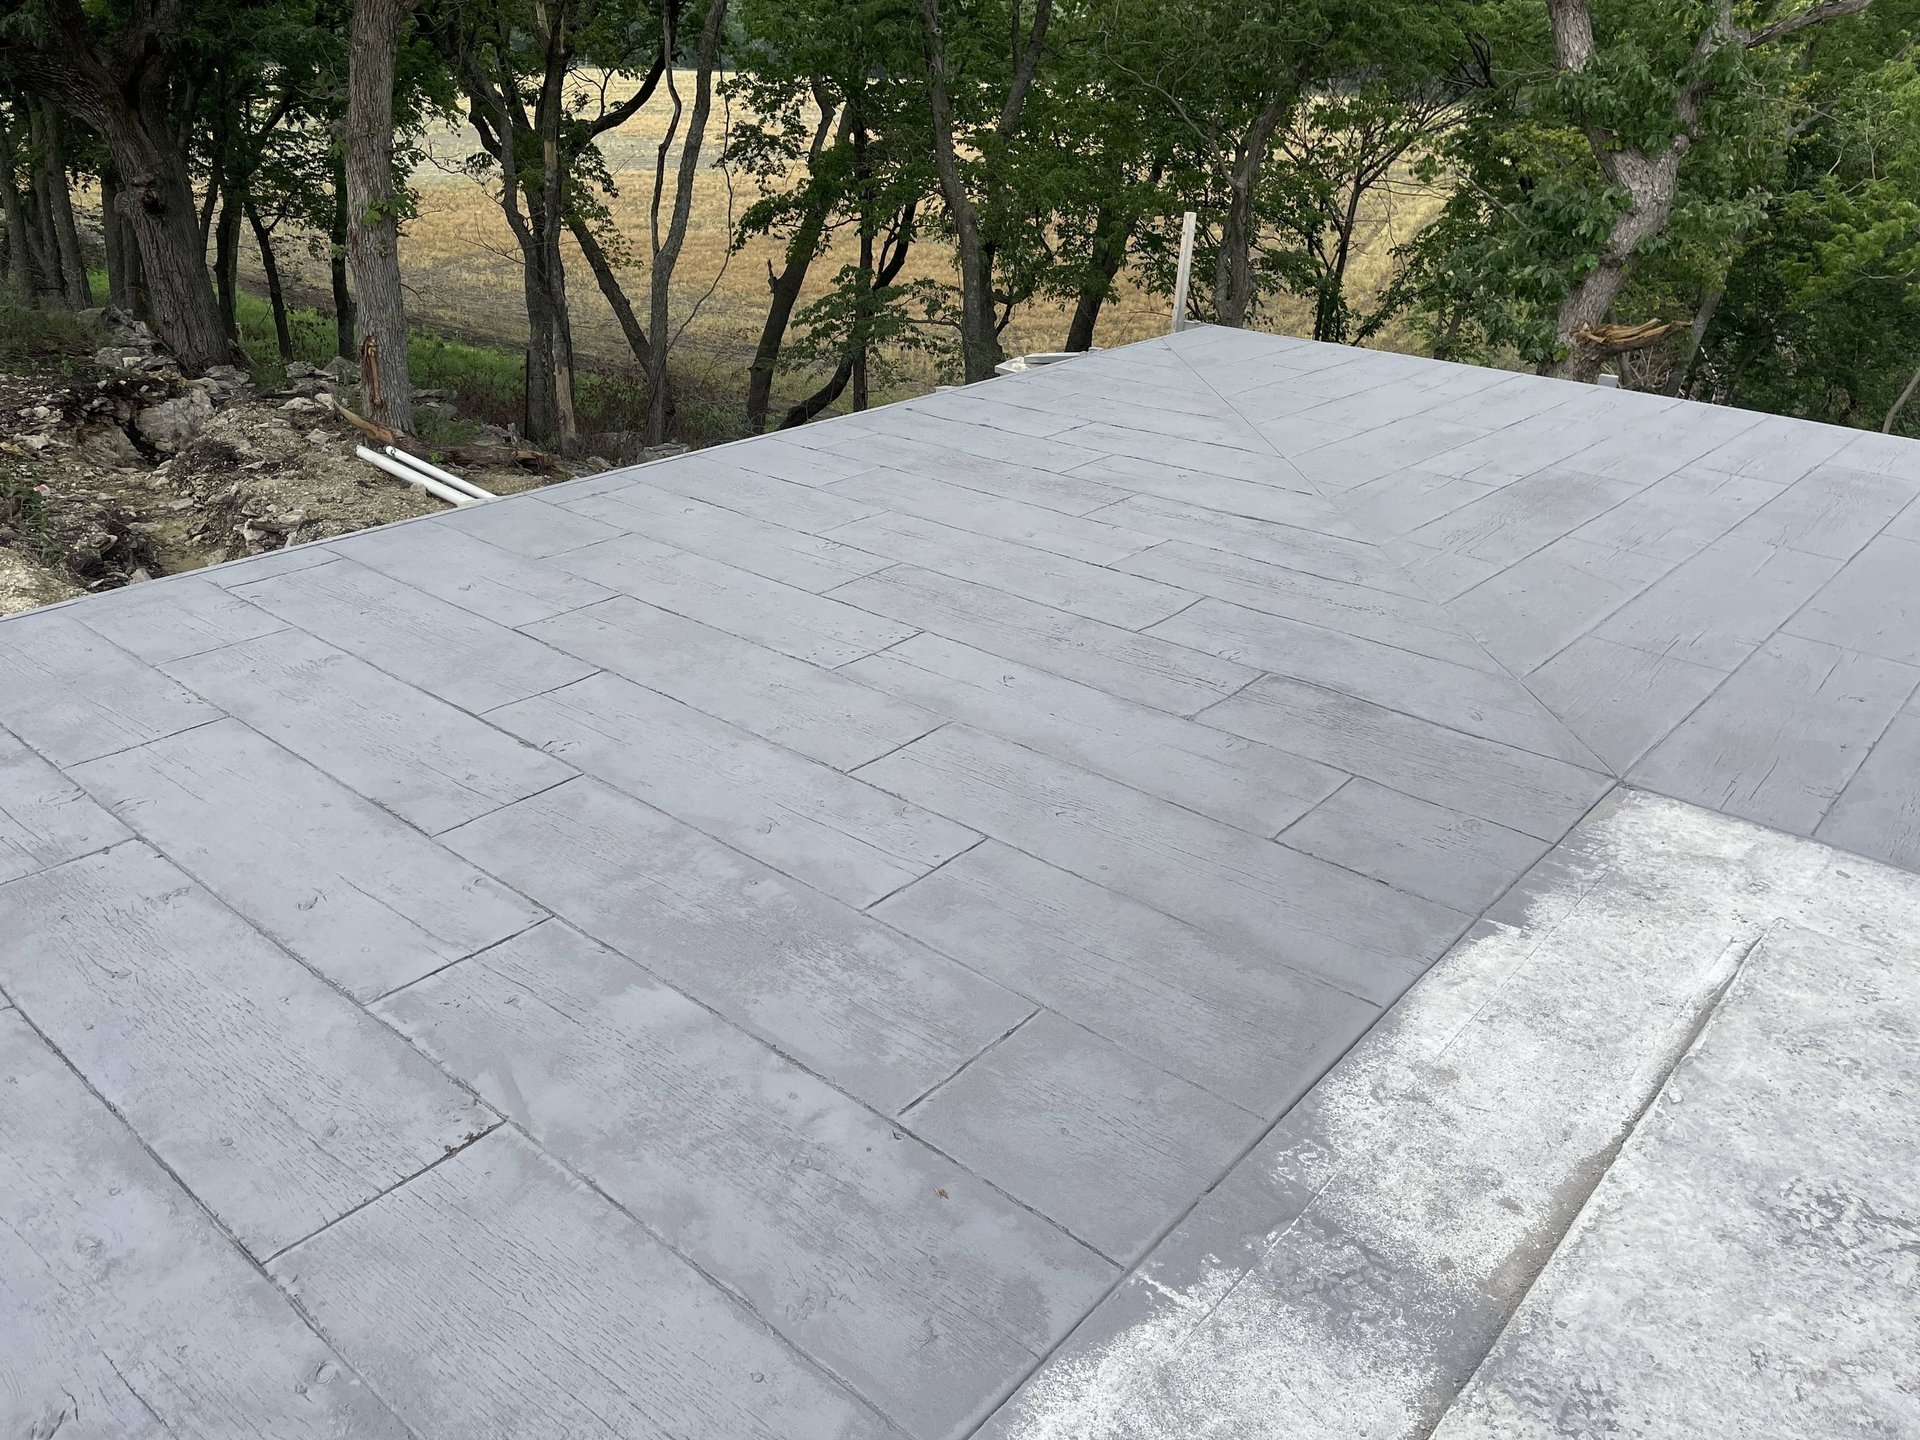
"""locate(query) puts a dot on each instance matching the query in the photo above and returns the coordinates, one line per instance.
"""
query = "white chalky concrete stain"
(1450, 1151)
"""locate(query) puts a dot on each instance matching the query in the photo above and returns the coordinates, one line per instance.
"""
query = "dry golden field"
(462, 267)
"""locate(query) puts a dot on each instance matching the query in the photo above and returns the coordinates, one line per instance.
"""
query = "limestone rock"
(172, 424)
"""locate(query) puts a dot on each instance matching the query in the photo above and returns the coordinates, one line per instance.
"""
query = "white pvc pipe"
(414, 477)
(1185, 274)
(414, 462)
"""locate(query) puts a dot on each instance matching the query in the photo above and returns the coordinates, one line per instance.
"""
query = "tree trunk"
(226, 264)
(130, 105)
(853, 367)
(666, 250)
(784, 286)
(1650, 180)
(610, 288)
(157, 198)
(19, 247)
(1893, 412)
(979, 343)
(1696, 337)
(46, 246)
(1110, 236)
(373, 219)
(549, 358)
(862, 340)
(1651, 184)
(1233, 286)
(126, 285)
(276, 295)
(783, 289)
(979, 334)
(74, 284)
(119, 293)
(343, 328)
(1330, 305)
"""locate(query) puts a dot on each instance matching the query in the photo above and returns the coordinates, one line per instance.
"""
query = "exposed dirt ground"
(121, 470)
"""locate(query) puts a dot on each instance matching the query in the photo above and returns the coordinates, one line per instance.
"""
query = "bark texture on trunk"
(158, 199)
(20, 283)
(1651, 183)
(1234, 286)
(123, 88)
(125, 278)
(373, 220)
(226, 265)
(343, 328)
(536, 151)
(119, 292)
(1110, 237)
(666, 249)
(74, 286)
(276, 293)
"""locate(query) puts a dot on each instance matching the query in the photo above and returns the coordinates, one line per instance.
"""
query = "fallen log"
(481, 455)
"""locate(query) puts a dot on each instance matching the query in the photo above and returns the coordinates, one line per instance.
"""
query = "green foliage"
(1793, 231)
(1821, 311)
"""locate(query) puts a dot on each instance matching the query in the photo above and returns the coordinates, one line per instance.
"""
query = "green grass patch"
(488, 381)
(52, 339)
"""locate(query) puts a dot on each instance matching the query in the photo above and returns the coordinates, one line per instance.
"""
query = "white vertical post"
(1185, 273)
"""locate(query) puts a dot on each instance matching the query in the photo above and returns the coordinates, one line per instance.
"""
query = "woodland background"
(701, 218)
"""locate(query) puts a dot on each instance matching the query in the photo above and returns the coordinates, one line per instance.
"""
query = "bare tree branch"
(1817, 15)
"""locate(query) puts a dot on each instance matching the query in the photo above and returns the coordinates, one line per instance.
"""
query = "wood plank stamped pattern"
(268, 1092)
(498, 1295)
(367, 901)
(127, 1314)
(430, 763)
(886, 1262)
(881, 1016)
(801, 817)
(44, 817)
(1359, 935)
(1054, 1114)
(1227, 1016)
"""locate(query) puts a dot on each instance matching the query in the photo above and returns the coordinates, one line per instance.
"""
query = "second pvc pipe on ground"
(439, 488)
(414, 462)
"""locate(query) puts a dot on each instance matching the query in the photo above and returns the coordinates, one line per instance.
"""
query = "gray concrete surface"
(1737, 1008)
(765, 942)
(1775, 1167)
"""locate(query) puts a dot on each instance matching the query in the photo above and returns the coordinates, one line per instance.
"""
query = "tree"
(835, 135)
(666, 244)
(1235, 80)
(516, 61)
(1341, 155)
(27, 259)
(979, 332)
(1817, 312)
(1640, 158)
(373, 212)
(56, 204)
(117, 69)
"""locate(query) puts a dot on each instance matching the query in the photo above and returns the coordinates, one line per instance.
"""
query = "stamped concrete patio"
(830, 936)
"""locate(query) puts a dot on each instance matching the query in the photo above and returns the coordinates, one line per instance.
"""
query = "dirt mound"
(124, 469)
